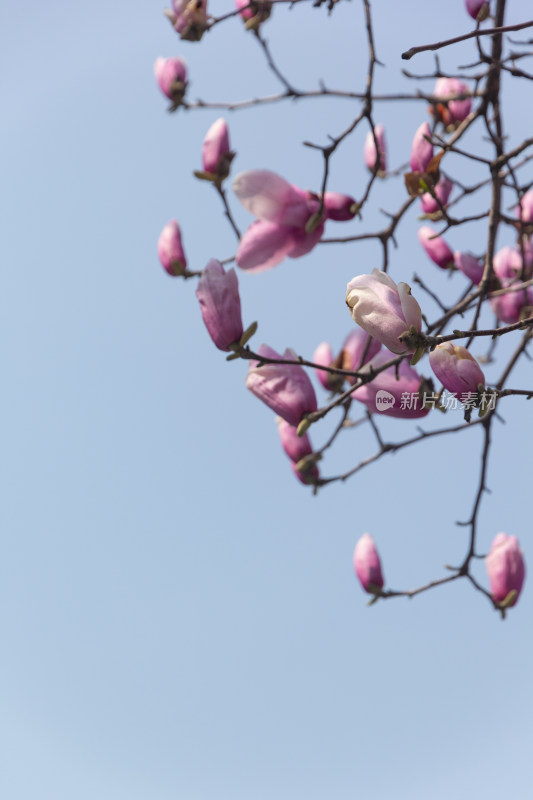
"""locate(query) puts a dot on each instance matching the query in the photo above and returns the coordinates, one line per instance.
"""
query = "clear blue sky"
(179, 617)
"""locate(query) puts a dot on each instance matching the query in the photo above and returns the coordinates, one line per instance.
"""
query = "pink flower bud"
(358, 349)
(285, 388)
(216, 153)
(478, 9)
(220, 304)
(170, 249)
(435, 247)
(524, 209)
(505, 567)
(422, 150)
(515, 304)
(171, 76)
(323, 355)
(370, 153)
(339, 207)
(295, 446)
(254, 12)
(367, 565)
(469, 266)
(190, 19)
(442, 190)
(454, 110)
(393, 392)
(456, 368)
(507, 262)
(383, 309)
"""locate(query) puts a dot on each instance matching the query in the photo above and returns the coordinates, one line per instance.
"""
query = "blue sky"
(179, 616)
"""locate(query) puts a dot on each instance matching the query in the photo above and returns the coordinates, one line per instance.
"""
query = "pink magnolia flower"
(254, 12)
(220, 304)
(171, 76)
(282, 212)
(422, 150)
(451, 111)
(478, 9)
(468, 265)
(505, 567)
(508, 262)
(367, 565)
(456, 368)
(216, 152)
(358, 349)
(285, 388)
(372, 155)
(383, 309)
(524, 209)
(515, 303)
(189, 18)
(323, 355)
(170, 249)
(435, 247)
(339, 207)
(393, 392)
(297, 448)
(442, 190)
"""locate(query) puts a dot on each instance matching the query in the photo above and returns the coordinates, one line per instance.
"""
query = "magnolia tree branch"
(501, 279)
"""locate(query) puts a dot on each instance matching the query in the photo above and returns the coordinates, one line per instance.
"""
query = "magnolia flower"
(171, 76)
(284, 225)
(367, 565)
(508, 262)
(372, 155)
(524, 209)
(283, 211)
(394, 392)
(254, 12)
(422, 150)
(189, 18)
(339, 207)
(453, 110)
(456, 368)
(506, 568)
(216, 152)
(285, 388)
(468, 265)
(220, 304)
(298, 448)
(435, 247)
(170, 249)
(478, 9)
(358, 349)
(442, 191)
(323, 355)
(515, 303)
(383, 309)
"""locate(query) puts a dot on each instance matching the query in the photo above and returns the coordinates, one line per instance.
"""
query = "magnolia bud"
(383, 309)
(456, 369)
(435, 247)
(220, 304)
(216, 153)
(372, 155)
(506, 568)
(422, 150)
(367, 565)
(170, 249)
(171, 76)
(285, 388)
